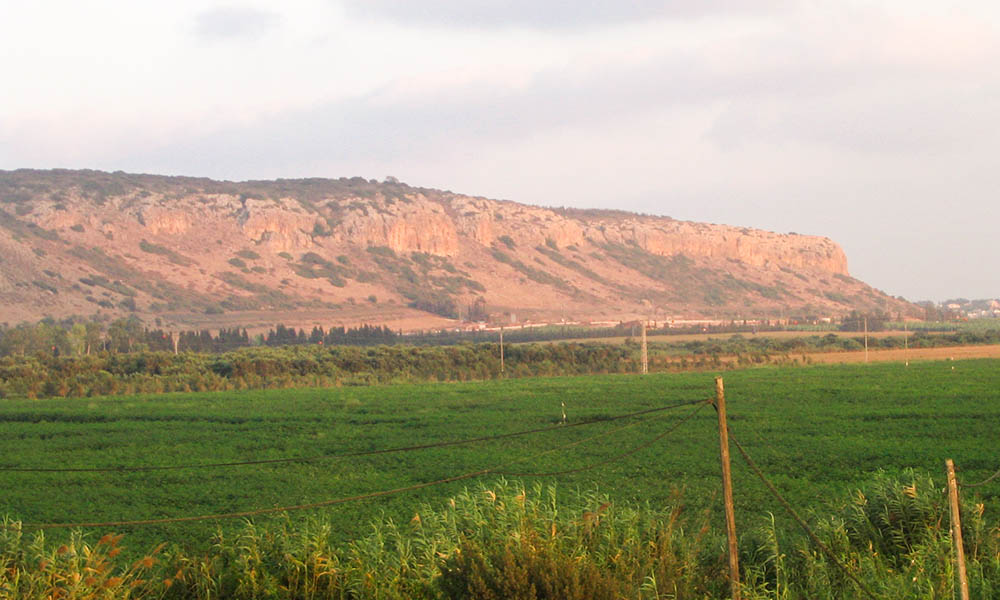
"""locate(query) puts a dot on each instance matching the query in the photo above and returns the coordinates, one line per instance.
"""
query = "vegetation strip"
(488, 438)
(48, 360)
(499, 470)
(500, 539)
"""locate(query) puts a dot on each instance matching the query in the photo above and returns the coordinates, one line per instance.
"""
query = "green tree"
(124, 335)
(77, 338)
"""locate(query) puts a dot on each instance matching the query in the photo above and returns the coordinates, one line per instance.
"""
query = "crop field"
(817, 431)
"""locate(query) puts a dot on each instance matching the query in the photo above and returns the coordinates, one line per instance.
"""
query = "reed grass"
(508, 541)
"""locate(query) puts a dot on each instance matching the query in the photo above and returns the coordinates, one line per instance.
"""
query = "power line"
(271, 461)
(281, 509)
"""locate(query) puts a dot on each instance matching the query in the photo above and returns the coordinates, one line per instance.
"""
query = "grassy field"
(818, 431)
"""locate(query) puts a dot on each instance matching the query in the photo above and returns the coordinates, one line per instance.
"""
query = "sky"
(874, 123)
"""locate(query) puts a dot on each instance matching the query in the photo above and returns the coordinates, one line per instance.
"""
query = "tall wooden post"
(501, 349)
(956, 530)
(866, 339)
(727, 490)
(906, 344)
(645, 355)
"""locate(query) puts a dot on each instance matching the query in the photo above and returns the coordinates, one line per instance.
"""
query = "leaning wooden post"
(727, 490)
(956, 530)
(501, 349)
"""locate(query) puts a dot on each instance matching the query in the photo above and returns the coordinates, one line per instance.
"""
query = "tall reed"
(506, 541)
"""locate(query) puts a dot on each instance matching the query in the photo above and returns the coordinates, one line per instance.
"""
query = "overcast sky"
(873, 123)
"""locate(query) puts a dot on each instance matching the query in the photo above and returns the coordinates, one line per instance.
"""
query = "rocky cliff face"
(80, 242)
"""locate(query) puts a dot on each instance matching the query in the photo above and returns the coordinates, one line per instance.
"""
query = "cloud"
(546, 14)
(234, 22)
(766, 95)
(393, 123)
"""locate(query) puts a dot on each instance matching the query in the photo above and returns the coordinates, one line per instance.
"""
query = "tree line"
(83, 338)
(71, 337)
(46, 375)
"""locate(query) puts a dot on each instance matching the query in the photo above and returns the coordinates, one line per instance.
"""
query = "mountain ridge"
(350, 250)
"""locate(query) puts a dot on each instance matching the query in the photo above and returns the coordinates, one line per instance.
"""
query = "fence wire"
(981, 483)
(498, 470)
(360, 453)
(802, 523)
(606, 461)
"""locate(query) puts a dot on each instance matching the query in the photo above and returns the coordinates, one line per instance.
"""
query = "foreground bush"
(507, 542)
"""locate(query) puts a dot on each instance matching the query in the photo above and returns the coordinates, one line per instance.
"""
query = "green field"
(817, 431)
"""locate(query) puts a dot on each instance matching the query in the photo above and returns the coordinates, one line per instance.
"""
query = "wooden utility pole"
(866, 339)
(906, 344)
(501, 349)
(645, 355)
(727, 490)
(956, 530)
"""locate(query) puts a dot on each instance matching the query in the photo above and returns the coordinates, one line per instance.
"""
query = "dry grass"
(913, 354)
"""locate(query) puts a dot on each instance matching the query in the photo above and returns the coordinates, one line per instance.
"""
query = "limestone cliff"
(84, 242)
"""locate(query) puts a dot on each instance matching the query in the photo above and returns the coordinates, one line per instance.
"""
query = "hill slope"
(198, 252)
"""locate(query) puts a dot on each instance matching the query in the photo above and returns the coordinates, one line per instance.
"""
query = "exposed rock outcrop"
(79, 242)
